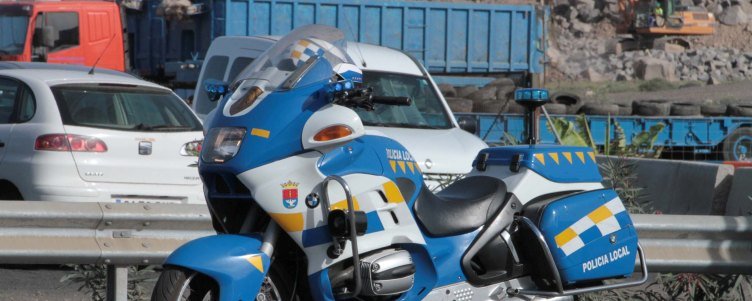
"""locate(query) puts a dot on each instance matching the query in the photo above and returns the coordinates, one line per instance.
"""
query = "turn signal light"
(250, 97)
(68, 142)
(332, 133)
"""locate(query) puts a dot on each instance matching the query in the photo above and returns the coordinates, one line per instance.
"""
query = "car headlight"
(222, 144)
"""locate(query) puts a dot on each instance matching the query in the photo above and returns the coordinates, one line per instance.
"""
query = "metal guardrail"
(696, 243)
(121, 235)
(118, 235)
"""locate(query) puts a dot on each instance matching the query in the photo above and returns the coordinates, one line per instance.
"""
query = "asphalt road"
(22, 284)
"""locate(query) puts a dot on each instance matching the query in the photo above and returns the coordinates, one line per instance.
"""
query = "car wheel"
(9, 192)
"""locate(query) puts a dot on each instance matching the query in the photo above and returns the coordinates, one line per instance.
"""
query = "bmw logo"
(312, 200)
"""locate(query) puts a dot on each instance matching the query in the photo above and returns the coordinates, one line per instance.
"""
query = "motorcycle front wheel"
(178, 284)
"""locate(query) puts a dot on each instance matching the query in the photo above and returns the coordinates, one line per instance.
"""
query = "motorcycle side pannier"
(590, 236)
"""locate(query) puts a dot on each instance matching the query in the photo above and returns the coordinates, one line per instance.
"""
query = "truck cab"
(62, 32)
(427, 127)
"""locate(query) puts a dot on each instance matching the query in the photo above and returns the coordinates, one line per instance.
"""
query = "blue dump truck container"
(449, 38)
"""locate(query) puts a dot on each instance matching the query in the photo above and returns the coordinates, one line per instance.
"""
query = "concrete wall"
(683, 187)
(739, 202)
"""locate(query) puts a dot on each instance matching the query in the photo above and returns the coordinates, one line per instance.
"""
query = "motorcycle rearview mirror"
(215, 89)
(468, 124)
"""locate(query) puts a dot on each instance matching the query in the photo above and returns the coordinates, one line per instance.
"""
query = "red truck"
(63, 32)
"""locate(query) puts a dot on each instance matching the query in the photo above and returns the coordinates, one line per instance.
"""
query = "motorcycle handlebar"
(392, 100)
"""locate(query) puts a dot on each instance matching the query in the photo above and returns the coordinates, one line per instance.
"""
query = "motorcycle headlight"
(222, 144)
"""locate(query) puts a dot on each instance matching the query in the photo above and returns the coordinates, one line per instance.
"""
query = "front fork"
(271, 233)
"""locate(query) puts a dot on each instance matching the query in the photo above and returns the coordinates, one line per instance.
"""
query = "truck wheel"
(464, 91)
(555, 108)
(740, 110)
(515, 108)
(572, 101)
(711, 109)
(460, 105)
(625, 109)
(505, 92)
(447, 90)
(178, 284)
(490, 106)
(685, 109)
(486, 93)
(651, 108)
(738, 145)
(600, 109)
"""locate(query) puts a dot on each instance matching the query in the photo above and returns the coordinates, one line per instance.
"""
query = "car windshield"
(426, 110)
(282, 65)
(124, 107)
(14, 22)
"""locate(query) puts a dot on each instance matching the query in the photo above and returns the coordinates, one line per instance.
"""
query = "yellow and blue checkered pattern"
(598, 223)
(304, 50)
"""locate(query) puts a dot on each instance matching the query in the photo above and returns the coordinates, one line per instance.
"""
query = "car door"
(8, 94)
(17, 105)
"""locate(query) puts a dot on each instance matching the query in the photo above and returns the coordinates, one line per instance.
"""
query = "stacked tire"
(498, 97)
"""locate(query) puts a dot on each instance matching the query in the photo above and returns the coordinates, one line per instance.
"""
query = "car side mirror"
(215, 89)
(468, 124)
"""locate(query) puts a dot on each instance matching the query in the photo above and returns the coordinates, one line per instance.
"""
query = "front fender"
(233, 261)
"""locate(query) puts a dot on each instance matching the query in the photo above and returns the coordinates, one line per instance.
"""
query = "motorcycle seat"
(461, 207)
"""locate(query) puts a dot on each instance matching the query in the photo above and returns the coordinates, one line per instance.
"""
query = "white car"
(427, 128)
(66, 135)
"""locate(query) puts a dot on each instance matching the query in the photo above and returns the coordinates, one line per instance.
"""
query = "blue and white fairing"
(262, 135)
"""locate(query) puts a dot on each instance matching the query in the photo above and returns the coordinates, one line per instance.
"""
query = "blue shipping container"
(446, 37)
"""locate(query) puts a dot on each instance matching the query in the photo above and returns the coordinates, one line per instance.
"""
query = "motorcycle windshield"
(282, 66)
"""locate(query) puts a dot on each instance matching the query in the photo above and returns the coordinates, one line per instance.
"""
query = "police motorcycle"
(309, 205)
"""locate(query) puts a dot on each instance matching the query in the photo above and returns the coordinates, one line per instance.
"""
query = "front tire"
(178, 284)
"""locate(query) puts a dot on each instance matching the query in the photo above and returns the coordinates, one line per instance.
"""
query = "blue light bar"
(531, 94)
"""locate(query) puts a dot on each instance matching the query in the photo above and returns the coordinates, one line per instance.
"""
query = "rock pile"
(584, 46)
(710, 65)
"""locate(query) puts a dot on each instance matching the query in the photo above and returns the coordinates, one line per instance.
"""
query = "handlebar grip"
(392, 100)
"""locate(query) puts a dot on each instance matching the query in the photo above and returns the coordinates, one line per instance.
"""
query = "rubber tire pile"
(498, 97)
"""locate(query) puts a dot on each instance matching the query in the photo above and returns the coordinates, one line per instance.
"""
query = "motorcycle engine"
(387, 272)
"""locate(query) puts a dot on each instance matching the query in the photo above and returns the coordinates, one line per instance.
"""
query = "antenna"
(91, 71)
(357, 46)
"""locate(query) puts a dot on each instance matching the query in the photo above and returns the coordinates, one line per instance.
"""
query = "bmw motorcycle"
(308, 204)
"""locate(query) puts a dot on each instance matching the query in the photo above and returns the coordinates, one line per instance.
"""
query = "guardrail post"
(117, 283)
